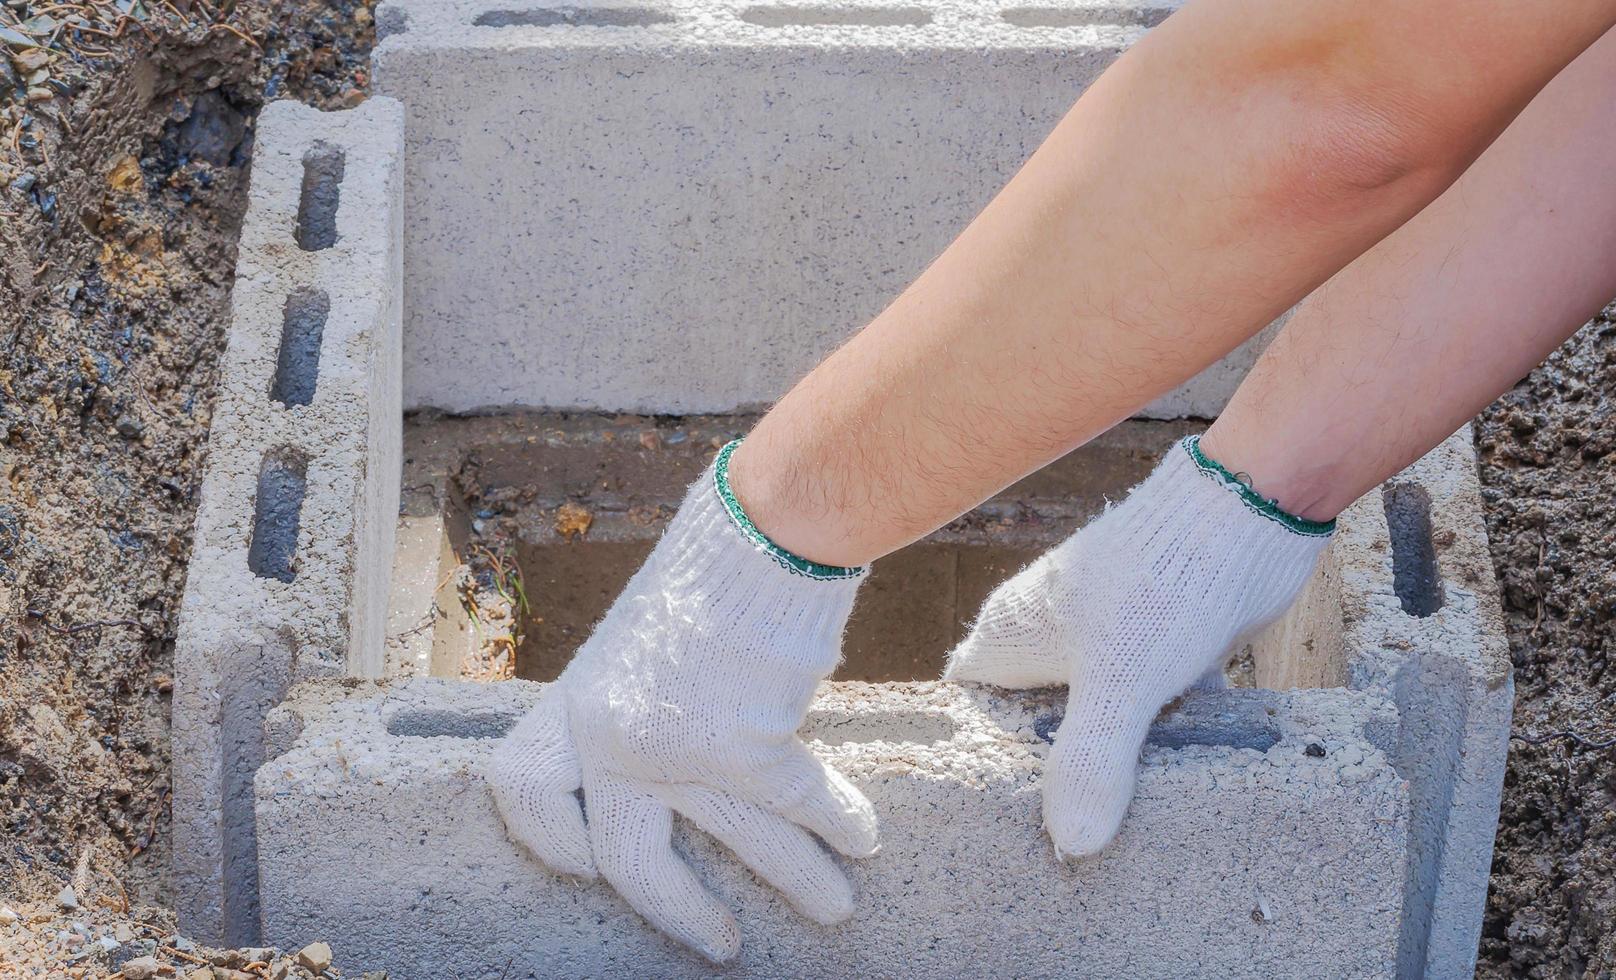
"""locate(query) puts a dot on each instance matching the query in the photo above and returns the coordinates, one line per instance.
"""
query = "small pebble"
(315, 957)
(8, 915)
(67, 899)
(141, 968)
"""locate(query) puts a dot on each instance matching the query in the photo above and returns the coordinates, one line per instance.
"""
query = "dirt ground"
(124, 139)
(123, 153)
(1548, 466)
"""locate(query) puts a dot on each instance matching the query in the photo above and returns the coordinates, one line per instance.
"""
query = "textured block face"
(1265, 860)
(679, 208)
(294, 530)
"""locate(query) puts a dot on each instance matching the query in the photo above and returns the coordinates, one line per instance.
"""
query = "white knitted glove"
(1140, 605)
(687, 698)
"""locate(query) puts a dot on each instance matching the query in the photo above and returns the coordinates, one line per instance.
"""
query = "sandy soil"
(122, 185)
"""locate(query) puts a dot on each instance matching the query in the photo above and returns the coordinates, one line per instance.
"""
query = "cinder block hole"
(297, 365)
(549, 515)
(575, 17)
(1087, 16)
(277, 510)
(791, 16)
(437, 722)
(323, 168)
(1415, 576)
(1245, 726)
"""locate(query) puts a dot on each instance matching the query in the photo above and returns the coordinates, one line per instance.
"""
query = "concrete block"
(681, 206)
(294, 531)
(1423, 625)
(1267, 839)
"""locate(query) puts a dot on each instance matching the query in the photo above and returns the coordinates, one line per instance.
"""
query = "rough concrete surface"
(665, 269)
(294, 529)
(1273, 860)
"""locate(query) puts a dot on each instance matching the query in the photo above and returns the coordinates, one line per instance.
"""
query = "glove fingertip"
(724, 947)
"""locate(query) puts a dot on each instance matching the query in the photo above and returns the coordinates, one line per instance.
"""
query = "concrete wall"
(576, 237)
(294, 528)
(686, 213)
(1244, 855)
(1223, 800)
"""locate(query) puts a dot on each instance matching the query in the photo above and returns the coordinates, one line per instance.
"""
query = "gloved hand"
(1143, 603)
(687, 698)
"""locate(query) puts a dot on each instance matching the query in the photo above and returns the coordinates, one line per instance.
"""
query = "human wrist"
(741, 518)
(768, 491)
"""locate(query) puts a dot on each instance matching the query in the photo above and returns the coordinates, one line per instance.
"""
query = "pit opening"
(1105, 15)
(574, 17)
(297, 364)
(1415, 577)
(546, 516)
(783, 15)
(277, 511)
(323, 169)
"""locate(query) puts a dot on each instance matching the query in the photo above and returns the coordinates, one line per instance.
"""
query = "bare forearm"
(1228, 164)
(1417, 336)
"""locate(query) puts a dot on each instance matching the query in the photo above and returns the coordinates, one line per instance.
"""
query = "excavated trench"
(568, 506)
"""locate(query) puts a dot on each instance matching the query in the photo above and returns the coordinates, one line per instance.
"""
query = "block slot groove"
(277, 511)
(1095, 16)
(438, 723)
(323, 169)
(788, 16)
(574, 17)
(1415, 577)
(297, 365)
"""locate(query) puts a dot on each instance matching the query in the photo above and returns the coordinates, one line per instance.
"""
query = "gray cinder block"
(294, 528)
(1245, 855)
(680, 207)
